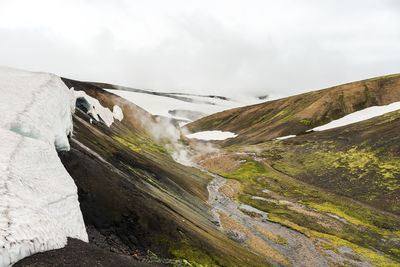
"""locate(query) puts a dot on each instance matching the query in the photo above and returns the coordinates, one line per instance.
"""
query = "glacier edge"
(39, 206)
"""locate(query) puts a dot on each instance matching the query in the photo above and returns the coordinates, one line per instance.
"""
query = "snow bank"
(97, 111)
(360, 115)
(39, 205)
(354, 117)
(285, 137)
(211, 135)
(117, 113)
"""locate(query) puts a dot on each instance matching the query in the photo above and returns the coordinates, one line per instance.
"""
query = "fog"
(219, 47)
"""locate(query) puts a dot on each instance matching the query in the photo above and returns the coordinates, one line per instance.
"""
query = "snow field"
(211, 135)
(161, 105)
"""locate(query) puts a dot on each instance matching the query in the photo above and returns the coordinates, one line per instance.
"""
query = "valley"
(153, 193)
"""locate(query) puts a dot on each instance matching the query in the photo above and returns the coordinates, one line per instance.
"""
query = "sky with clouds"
(221, 47)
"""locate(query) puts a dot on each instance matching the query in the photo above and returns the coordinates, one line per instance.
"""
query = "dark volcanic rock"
(79, 253)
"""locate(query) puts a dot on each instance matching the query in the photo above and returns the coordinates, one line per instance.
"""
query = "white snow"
(117, 113)
(360, 115)
(161, 105)
(39, 205)
(267, 191)
(97, 111)
(354, 117)
(211, 135)
(284, 137)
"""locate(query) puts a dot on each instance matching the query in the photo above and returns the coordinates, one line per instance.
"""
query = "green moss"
(328, 246)
(333, 242)
(215, 123)
(375, 226)
(379, 171)
(140, 143)
(152, 254)
(331, 208)
(184, 250)
(127, 143)
(249, 170)
(389, 117)
(262, 117)
(306, 122)
(281, 113)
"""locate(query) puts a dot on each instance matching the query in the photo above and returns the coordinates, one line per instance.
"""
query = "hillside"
(325, 198)
(360, 161)
(297, 114)
(135, 198)
(340, 187)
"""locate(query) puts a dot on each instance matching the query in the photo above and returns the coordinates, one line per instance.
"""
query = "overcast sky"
(217, 46)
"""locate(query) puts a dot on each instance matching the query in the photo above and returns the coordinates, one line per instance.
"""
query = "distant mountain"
(181, 107)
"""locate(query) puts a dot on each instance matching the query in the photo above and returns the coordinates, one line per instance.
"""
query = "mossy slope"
(328, 219)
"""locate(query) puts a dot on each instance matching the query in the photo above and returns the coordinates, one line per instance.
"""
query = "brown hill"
(350, 172)
(299, 113)
(360, 161)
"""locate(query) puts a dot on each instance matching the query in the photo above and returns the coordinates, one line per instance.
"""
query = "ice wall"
(39, 205)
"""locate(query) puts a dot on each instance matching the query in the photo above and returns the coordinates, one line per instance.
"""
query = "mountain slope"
(300, 207)
(360, 161)
(136, 197)
(297, 114)
(327, 198)
(339, 187)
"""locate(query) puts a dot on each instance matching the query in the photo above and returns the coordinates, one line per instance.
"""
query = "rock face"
(297, 114)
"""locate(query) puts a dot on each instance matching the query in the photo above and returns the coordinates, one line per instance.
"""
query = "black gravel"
(79, 253)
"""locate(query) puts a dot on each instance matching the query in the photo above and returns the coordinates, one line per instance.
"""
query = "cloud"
(222, 47)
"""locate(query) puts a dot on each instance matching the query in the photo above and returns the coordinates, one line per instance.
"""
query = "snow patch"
(360, 115)
(117, 113)
(96, 110)
(285, 137)
(211, 135)
(266, 191)
(39, 205)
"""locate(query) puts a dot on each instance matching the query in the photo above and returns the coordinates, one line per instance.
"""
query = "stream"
(300, 250)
